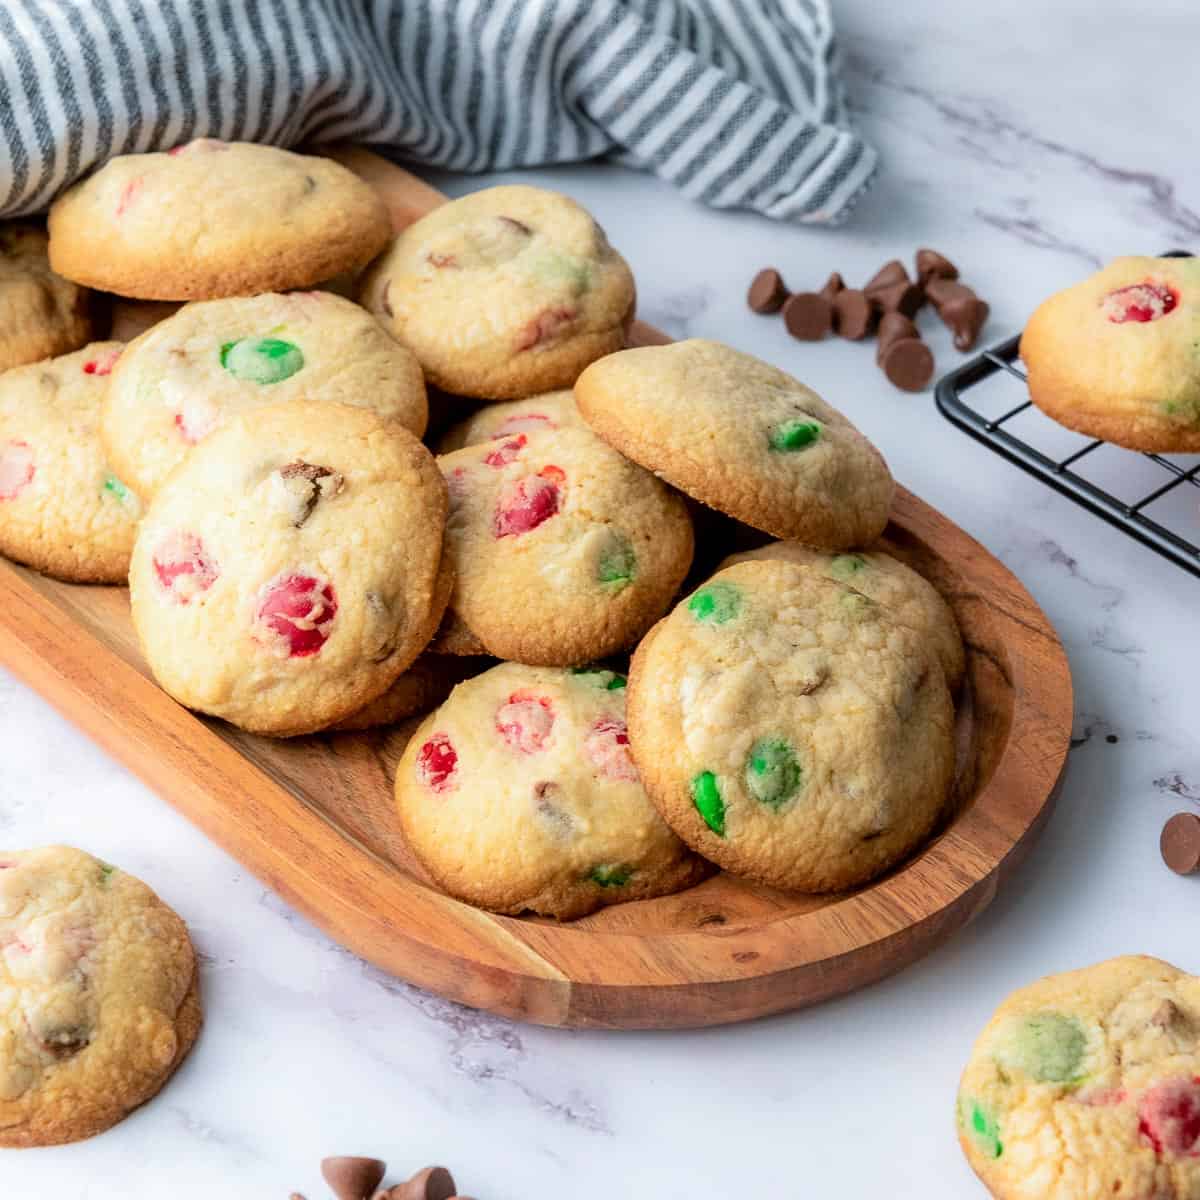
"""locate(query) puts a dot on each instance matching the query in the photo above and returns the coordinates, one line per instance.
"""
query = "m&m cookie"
(909, 598)
(290, 569)
(183, 377)
(519, 795)
(63, 508)
(423, 686)
(789, 729)
(98, 999)
(505, 293)
(563, 551)
(212, 218)
(741, 437)
(1114, 357)
(537, 414)
(1088, 1084)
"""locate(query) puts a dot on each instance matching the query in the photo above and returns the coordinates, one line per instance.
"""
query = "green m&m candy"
(261, 360)
(1048, 1046)
(716, 603)
(611, 876)
(846, 566)
(794, 435)
(115, 488)
(982, 1126)
(706, 796)
(773, 774)
(610, 681)
(618, 563)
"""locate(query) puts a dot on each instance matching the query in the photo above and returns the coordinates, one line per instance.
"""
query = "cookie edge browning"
(358, 229)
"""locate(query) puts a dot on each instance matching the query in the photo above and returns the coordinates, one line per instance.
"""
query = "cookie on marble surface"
(98, 995)
(183, 377)
(742, 437)
(537, 414)
(423, 686)
(63, 510)
(1114, 357)
(519, 795)
(213, 218)
(290, 569)
(505, 293)
(563, 551)
(41, 313)
(789, 729)
(908, 597)
(1088, 1084)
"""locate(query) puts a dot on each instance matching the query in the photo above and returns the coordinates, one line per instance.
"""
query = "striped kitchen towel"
(738, 103)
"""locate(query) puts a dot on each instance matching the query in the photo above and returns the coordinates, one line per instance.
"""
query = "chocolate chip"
(808, 316)
(932, 265)
(892, 327)
(834, 284)
(350, 1177)
(430, 1183)
(887, 276)
(904, 298)
(965, 317)
(307, 485)
(944, 291)
(767, 292)
(853, 314)
(908, 363)
(1180, 843)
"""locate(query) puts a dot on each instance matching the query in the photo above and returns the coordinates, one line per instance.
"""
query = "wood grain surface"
(313, 817)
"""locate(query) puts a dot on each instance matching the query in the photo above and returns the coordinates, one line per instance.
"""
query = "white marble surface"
(1028, 141)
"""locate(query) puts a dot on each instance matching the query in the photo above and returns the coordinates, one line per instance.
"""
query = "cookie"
(423, 686)
(213, 218)
(453, 637)
(519, 795)
(98, 995)
(741, 437)
(63, 510)
(505, 293)
(1114, 357)
(41, 314)
(909, 599)
(289, 570)
(537, 414)
(789, 729)
(183, 377)
(563, 551)
(1088, 1084)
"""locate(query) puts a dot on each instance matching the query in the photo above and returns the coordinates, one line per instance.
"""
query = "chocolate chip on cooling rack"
(1180, 843)
(808, 316)
(767, 292)
(351, 1177)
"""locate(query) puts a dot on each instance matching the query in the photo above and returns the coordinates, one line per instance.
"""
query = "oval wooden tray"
(313, 817)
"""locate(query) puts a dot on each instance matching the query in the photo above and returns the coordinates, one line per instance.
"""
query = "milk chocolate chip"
(900, 297)
(808, 316)
(767, 292)
(887, 276)
(853, 314)
(908, 363)
(961, 310)
(430, 1183)
(1180, 843)
(834, 284)
(893, 326)
(350, 1177)
(932, 265)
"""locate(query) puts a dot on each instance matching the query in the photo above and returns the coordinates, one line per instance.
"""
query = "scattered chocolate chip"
(834, 284)
(808, 316)
(853, 314)
(767, 292)
(904, 298)
(352, 1178)
(1180, 843)
(965, 319)
(887, 276)
(892, 327)
(932, 265)
(430, 1183)
(943, 291)
(307, 485)
(908, 363)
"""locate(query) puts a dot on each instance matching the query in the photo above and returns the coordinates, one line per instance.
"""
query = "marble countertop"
(1028, 142)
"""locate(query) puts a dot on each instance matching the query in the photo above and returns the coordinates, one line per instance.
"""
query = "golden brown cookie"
(504, 293)
(213, 218)
(290, 569)
(63, 510)
(423, 686)
(741, 437)
(1114, 357)
(519, 795)
(537, 414)
(1087, 1084)
(788, 729)
(41, 314)
(98, 995)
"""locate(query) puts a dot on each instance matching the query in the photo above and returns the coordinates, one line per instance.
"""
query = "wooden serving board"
(313, 817)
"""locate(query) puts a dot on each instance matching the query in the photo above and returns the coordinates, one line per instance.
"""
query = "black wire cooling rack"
(1148, 496)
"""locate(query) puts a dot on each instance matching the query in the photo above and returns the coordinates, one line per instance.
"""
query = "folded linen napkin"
(736, 102)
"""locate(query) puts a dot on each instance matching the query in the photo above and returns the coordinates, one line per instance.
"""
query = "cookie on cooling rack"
(741, 437)
(1114, 357)
(1088, 1084)
(213, 218)
(564, 552)
(98, 997)
(63, 510)
(519, 795)
(789, 729)
(504, 293)
(537, 414)
(183, 377)
(290, 569)
(909, 598)
(41, 314)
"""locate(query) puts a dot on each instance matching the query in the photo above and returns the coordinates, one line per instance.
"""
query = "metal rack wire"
(994, 382)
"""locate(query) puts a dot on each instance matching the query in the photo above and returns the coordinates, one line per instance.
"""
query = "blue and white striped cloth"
(736, 102)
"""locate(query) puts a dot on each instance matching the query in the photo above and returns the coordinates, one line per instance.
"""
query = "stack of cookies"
(300, 560)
